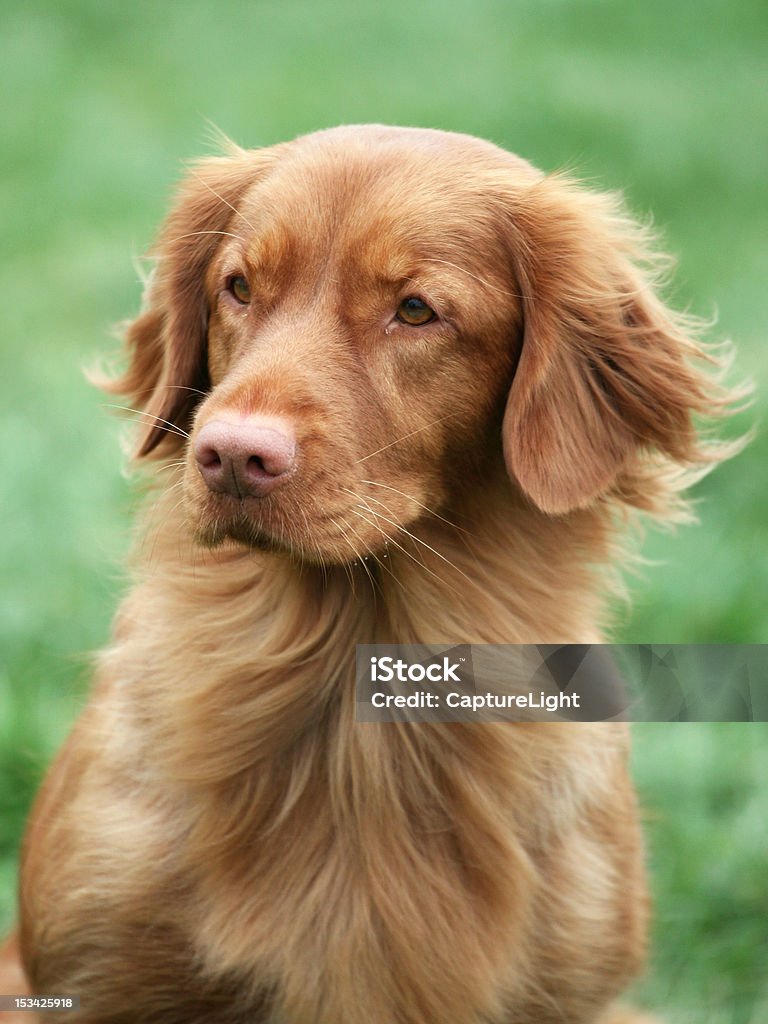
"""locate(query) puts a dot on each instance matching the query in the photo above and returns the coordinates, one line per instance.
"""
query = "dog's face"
(362, 309)
(337, 322)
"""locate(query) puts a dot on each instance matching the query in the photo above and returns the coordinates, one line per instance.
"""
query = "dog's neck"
(273, 640)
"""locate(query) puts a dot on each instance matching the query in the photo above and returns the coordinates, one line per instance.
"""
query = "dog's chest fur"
(317, 866)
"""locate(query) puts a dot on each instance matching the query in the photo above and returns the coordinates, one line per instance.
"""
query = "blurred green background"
(102, 103)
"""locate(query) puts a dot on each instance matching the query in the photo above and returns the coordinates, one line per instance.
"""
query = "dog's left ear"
(602, 372)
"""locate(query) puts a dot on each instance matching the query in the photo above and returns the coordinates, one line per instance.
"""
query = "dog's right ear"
(167, 373)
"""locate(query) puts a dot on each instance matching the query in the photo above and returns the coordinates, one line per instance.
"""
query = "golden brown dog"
(401, 387)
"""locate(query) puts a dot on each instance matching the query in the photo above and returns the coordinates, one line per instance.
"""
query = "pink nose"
(245, 459)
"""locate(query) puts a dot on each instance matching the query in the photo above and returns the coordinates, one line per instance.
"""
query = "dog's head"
(350, 329)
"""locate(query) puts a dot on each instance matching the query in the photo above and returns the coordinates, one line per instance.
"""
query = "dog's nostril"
(256, 462)
(208, 458)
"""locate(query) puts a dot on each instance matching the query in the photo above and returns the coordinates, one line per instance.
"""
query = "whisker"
(379, 561)
(399, 546)
(376, 483)
(376, 527)
(372, 554)
(439, 554)
(184, 387)
(170, 427)
(364, 505)
(413, 536)
(382, 532)
(406, 436)
(176, 464)
(168, 430)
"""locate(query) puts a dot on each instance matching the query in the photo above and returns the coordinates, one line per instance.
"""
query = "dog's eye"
(238, 286)
(414, 312)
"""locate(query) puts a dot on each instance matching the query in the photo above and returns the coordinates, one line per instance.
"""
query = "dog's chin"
(242, 532)
(321, 550)
(239, 536)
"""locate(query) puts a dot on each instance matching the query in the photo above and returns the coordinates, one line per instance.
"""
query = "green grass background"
(102, 102)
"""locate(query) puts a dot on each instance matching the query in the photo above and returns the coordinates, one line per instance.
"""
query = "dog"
(397, 386)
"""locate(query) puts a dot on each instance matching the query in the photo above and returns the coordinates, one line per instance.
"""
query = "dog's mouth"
(300, 528)
(241, 529)
(261, 524)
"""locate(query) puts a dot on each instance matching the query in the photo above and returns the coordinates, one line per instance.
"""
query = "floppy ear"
(167, 373)
(602, 374)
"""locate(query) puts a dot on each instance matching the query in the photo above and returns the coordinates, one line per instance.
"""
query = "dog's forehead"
(417, 189)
